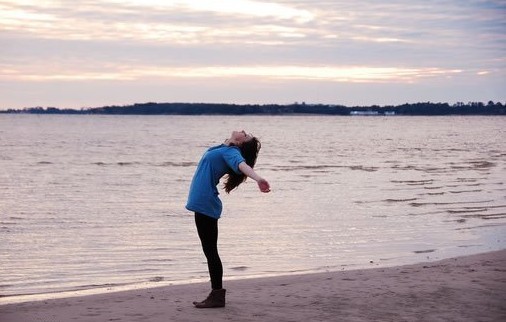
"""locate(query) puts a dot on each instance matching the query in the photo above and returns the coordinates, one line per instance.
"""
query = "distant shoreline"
(428, 108)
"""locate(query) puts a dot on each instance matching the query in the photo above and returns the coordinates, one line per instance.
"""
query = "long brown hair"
(249, 151)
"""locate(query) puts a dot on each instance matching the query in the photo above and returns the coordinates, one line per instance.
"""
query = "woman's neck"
(229, 142)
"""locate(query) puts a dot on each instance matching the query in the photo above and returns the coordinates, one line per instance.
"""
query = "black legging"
(207, 228)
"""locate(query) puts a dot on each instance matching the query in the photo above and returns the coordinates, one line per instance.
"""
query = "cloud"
(226, 7)
(320, 73)
(114, 21)
(387, 42)
(423, 25)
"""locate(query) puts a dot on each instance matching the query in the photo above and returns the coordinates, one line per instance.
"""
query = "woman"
(236, 159)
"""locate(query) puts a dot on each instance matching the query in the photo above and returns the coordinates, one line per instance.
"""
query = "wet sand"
(471, 288)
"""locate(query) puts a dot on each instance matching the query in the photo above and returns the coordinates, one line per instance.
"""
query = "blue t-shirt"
(215, 163)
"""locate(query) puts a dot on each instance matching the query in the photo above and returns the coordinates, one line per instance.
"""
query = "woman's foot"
(215, 299)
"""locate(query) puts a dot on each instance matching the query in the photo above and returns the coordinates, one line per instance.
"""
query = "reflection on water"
(92, 201)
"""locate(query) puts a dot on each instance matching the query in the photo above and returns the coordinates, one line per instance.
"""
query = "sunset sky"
(74, 54)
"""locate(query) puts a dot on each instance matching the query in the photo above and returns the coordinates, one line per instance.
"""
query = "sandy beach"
(471, 288)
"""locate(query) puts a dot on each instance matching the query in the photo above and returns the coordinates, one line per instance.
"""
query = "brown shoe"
(215, 299)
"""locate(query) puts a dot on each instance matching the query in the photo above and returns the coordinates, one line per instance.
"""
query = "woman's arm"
(263, 185)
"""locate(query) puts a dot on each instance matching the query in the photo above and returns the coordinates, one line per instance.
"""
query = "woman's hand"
(264, 185)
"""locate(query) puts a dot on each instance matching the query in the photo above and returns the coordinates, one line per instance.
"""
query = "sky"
(92, 53)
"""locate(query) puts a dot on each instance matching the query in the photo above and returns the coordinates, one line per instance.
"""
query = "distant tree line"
(428, 108)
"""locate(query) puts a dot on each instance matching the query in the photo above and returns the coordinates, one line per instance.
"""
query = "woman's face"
(239, 137)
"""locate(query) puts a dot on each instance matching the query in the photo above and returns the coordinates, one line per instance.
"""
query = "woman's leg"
(207, 229)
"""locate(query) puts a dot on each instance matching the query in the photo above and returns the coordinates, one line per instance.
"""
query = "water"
(98, 201)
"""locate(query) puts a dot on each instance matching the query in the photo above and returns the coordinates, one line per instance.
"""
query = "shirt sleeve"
(233, 158)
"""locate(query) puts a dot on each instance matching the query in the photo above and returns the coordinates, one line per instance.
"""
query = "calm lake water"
(97, 201)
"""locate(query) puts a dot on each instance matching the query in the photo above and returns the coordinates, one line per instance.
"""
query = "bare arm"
(263, 185)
